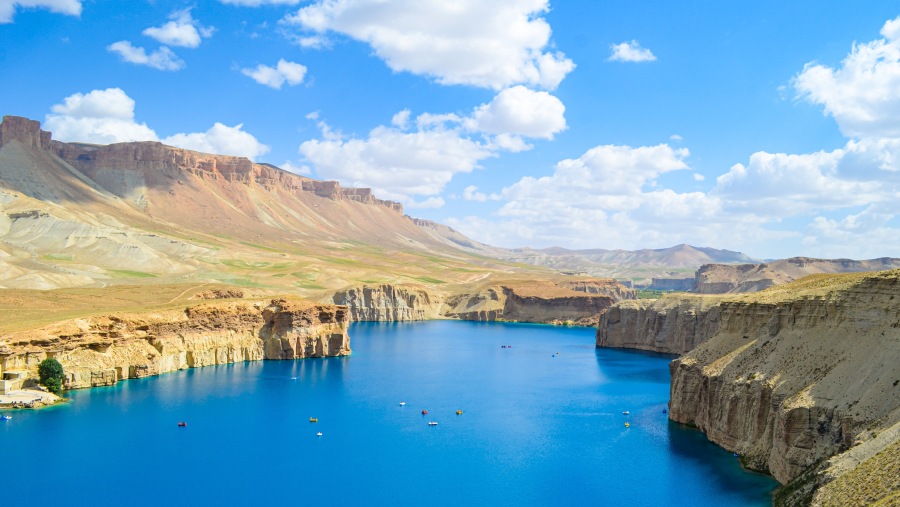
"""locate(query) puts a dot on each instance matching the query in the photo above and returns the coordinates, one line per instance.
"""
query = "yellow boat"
(313, 419)
(459, 412)
(627, 425)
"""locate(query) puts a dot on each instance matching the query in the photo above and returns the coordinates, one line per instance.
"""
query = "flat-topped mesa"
(27, 132)
(105, 163)
(101, 350)
(155, 157)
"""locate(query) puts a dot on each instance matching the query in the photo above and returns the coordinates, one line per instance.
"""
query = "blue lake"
(542, 425)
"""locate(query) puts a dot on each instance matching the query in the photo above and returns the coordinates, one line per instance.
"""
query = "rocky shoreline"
(102, 350)
(794, 379)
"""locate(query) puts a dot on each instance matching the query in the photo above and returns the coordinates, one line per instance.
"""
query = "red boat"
(424, 412)
(182, 424)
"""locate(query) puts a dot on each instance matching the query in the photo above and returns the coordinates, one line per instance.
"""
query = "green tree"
(51, 375)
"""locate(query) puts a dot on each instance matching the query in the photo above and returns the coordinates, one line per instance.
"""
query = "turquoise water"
(538, 428)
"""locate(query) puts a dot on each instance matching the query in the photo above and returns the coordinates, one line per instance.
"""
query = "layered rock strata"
(388, 303)
(674, 324)
(796, 374)
(529, 304)
(102, 350)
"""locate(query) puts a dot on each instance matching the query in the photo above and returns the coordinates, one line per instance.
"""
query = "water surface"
(542, 425)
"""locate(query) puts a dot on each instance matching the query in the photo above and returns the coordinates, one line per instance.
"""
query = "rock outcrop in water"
(101, 350)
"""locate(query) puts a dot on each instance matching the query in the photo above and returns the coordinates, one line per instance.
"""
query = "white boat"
(402, 403)
(319, 434)
(6, 417)
(626, 412)
(432, 423)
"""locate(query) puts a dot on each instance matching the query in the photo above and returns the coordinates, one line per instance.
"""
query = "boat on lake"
(432, 423)
(313, 419)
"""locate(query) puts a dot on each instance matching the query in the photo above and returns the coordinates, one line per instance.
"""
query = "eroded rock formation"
(101, 350)
(796, 374)
(388, 303)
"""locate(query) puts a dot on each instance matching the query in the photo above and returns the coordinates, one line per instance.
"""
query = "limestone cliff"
(797, 373)
(102, 350)
(532, 302)
(388, 303)
(674, 324)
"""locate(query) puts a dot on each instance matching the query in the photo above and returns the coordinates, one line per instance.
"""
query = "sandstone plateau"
(802, 379)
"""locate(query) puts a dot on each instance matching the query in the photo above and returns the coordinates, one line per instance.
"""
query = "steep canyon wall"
(102, 350)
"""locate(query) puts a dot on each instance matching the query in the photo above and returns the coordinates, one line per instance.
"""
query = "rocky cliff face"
(388, 303)
(127, 168)
(674, 324)
(797, 373)
(542, 303)
(27, 132)
(102, 350)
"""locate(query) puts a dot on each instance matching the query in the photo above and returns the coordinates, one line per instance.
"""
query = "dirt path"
(185, 291)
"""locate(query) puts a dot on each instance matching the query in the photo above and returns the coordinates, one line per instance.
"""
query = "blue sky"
(772, 128)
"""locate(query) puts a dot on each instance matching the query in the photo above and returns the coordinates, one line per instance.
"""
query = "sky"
(770, 128)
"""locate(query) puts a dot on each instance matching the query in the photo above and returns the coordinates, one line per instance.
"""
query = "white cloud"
(162, 59)
(471, 193)
(832, 203)
(8, 7)
(487, 44)
(521, 111)
(100, 116)
(397, 164)
(257, 3)
(303, 170)
(107, 116)
(630, 52)
(676, 137)
(183, 30)
(275, 77)
(862, 94)
(403, 164)
(221, 140)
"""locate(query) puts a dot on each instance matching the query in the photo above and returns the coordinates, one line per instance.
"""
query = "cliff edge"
(103, 349)
(797, 374)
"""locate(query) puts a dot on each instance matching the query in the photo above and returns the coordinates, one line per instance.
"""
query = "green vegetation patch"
(651, 293)
(428, 279)
(127, 273)
(304, 285)
(261, 247)
(242, 264)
